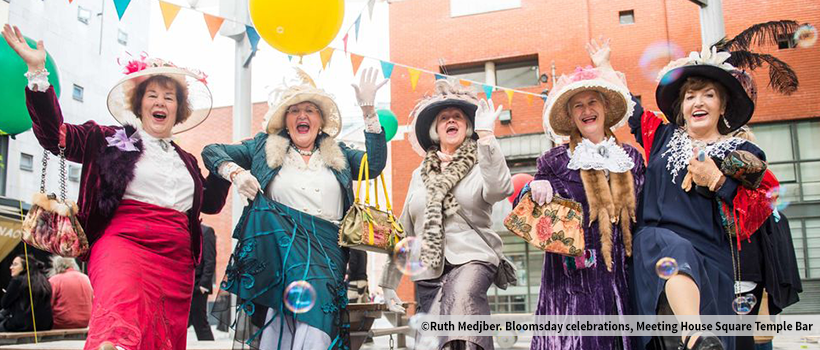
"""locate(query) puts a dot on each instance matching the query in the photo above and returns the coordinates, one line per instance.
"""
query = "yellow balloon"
(297, 27)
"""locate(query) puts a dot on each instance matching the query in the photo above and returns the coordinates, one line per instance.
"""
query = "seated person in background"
(71, 294)
(16, 303)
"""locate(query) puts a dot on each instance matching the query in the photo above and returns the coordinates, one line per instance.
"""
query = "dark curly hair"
(183, 107)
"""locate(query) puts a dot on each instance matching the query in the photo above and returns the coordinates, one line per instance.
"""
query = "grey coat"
(487, 183)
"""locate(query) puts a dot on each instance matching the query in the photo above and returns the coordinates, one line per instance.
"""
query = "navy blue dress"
(685, 226)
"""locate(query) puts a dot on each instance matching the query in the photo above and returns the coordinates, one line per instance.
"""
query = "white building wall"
(85, 55)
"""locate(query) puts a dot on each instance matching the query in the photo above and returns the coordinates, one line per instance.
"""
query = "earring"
(725, 121)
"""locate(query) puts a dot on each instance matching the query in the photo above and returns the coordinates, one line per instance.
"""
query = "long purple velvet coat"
(106, 171)
(587, 291)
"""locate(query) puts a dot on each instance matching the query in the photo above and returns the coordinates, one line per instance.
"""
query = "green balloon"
(389, 123)
(14, 118)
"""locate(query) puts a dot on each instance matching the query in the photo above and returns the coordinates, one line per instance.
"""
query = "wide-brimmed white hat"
(139, 70)
(558, 120)
(304, 91)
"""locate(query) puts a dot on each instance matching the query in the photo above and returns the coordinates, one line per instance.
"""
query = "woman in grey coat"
(463, 170)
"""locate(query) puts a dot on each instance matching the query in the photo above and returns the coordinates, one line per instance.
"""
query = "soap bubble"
(666, 268)
(777, 197)
(741, 305)
(300, 297)
(657, 56)
(805, 36)
(407, 256)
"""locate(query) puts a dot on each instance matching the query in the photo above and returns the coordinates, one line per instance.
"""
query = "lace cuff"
(372, 124)
(228, 168)
(38, 80)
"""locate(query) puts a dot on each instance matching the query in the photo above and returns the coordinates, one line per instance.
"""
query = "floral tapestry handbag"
(51, 224)
(555, 227)
(366, 226)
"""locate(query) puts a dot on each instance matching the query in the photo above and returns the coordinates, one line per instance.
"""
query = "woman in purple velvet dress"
(606, 177)
(140, 197)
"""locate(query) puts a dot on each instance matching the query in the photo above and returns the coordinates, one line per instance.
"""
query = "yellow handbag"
(366, 226)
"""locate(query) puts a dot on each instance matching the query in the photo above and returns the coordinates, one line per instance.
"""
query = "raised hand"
(367, 88)
(599, 53)
(35, 58)
(486, 115)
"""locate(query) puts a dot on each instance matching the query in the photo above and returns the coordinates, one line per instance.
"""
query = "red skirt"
(142, 271)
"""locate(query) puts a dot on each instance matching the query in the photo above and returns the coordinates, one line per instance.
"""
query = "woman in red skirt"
(140, 196)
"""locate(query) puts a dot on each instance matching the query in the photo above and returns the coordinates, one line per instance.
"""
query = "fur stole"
(277, 145)
(610, 202)
(440, 201)
(116, 168)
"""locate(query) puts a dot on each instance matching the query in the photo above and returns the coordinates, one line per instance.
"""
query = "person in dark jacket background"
(203, 286)
(16, 304)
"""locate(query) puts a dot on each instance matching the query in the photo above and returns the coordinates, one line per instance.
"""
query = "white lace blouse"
(160, 176)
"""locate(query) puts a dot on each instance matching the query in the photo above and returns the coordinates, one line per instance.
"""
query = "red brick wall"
(218, 128)
(422, 32)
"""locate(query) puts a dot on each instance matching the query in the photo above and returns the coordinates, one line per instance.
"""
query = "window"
(473, 7)
(74, 173)
(638, 97)
(505, 117)
(517, 74)
(122, 37)
(786, 41)
(474, 74)
(77, 93)
(83, 14)
(627, 17)
(510, 74)
(793, 153)
(26, 162)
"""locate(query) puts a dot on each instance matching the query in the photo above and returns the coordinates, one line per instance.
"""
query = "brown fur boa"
(602, 206)
(440, 201)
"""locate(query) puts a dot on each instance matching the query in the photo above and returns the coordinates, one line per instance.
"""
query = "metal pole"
(712, 28)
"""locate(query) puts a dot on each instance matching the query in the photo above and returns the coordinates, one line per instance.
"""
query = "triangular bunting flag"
(356, 24)
(439, 77)
(253, 39)
(529, 99)
(414, 77)
(465, 82)
(326, 54)
(121, 5)
(488, 90)
(544, 97)
(345, 41)
(290, 58)
(169, 13)
(370, 4)
(355, 61)
(213, 23)
(509, 97)
(387, 69)
(69, 1)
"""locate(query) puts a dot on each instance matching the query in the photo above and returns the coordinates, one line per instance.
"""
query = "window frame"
(23, 165)
(626, 14)
(74, 95)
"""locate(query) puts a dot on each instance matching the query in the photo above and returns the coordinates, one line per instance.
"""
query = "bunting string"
(214, 23)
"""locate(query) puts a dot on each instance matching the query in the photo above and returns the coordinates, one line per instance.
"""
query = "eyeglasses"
(298, 111)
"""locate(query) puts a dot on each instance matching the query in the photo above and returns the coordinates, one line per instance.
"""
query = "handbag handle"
(63, 173)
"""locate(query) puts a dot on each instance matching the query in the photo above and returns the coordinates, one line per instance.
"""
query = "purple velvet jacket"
(107, 171)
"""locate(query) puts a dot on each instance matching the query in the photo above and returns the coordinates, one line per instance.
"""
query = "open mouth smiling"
(303, 127)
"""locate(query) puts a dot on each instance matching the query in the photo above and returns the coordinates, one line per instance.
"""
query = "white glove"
(246, 184)
(366, 90)
(391, 299)
(541, 191)
(486, 115)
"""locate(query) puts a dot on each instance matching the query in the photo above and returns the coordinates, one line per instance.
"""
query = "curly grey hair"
(61, 264)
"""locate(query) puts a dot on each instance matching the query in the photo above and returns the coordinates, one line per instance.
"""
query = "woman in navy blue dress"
(687, 195)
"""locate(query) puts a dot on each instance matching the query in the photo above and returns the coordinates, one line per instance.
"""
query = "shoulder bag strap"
(480, 234)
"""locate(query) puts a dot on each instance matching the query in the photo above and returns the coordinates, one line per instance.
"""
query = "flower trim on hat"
(586, 78)
(707, 56)
(144, 62)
